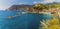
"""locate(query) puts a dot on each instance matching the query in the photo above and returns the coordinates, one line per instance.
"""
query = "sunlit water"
(23, 21)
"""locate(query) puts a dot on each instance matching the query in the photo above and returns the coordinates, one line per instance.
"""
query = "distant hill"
(20, 7)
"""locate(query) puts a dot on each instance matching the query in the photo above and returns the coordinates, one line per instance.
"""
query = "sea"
(21, 20)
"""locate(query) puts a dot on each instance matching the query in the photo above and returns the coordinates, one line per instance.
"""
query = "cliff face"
(20, 7)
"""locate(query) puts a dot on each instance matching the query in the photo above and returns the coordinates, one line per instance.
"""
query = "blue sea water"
(23, 21)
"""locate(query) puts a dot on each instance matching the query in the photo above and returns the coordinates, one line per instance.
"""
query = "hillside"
(20, 7)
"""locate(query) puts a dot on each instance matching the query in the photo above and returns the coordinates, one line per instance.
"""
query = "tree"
(39, 7)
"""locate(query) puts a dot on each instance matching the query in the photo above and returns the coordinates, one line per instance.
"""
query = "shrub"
(50, 24)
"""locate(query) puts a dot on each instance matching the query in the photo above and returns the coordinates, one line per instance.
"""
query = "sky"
(4, 4)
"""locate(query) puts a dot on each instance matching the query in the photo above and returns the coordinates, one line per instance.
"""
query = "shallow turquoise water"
(24, 21)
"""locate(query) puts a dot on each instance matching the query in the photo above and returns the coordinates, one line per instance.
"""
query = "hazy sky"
(7, 3)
